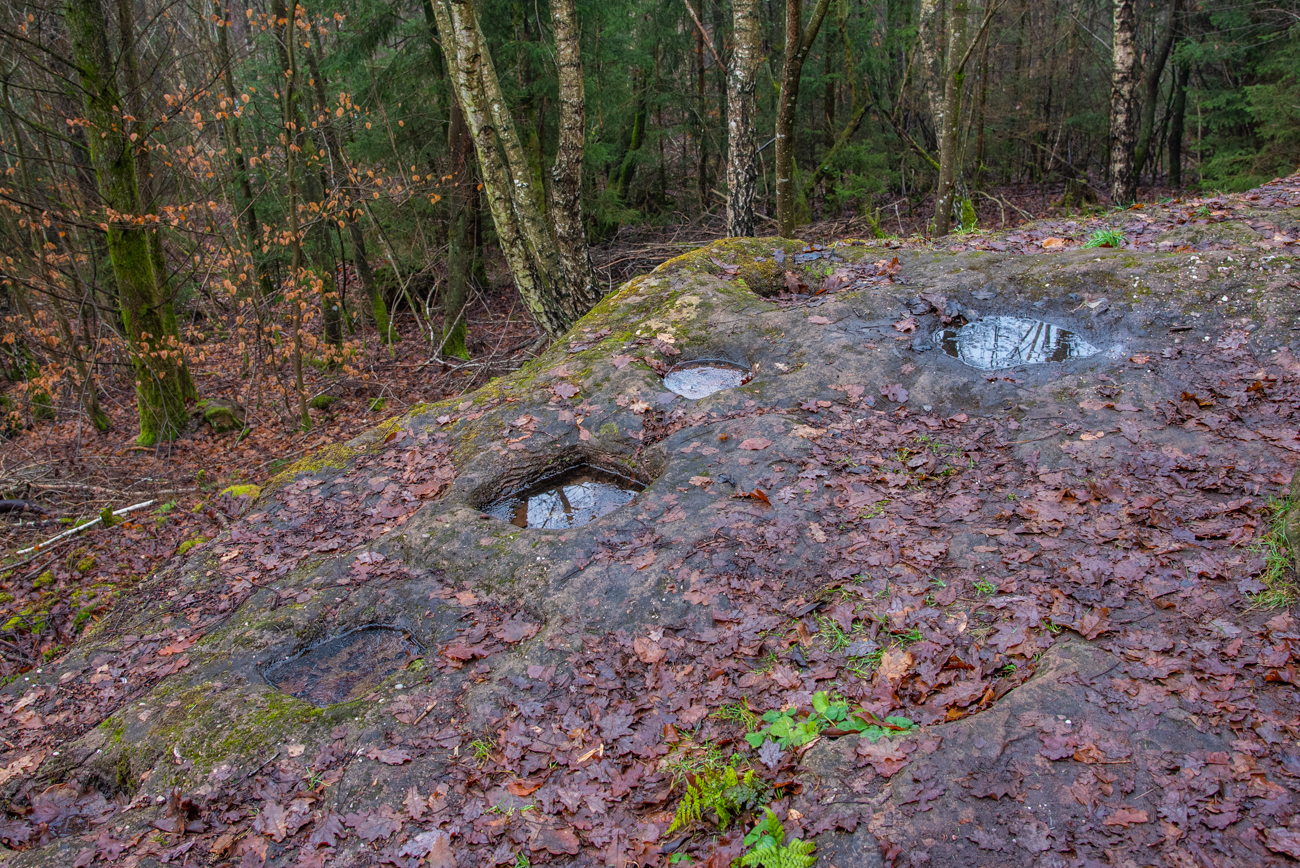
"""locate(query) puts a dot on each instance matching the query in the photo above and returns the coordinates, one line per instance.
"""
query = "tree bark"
(949, 121)
(160, 377)
(1123, 138)
(1155, 69)
(798, 42)
(566, 173)
(549, 279)
(742, 156)
(459, 237)
(1178, 114)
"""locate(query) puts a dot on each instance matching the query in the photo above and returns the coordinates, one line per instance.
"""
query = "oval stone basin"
(997, 342)
(703, 377)
(346, 667)
(573, 498)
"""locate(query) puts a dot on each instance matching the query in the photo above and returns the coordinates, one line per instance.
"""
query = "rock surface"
(1052, 561)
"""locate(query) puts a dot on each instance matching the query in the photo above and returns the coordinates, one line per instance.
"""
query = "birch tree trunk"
(1123, 183)
(160, 380)
(551, 282)
(798, 42)
(742, 156)
(566, 174)
(949, 120)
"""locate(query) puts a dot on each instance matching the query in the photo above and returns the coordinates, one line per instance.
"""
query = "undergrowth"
(1281, 588)
(768, 850)
(725, 793)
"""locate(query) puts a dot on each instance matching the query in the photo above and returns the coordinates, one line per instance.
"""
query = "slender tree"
(1123, 132)
(742, 156)
(550, 263)
(798, 42)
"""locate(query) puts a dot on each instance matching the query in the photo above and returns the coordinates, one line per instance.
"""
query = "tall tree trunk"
(129, 63)
(979, 119)
(1178, 113)
(631, 152)
(798, 42)
(1123, 181)
(949, 121)
(460, 236)
(566, 172)
(160, 380)
(742, 156)
(1155, 69)
(701, 116)
(554, 296)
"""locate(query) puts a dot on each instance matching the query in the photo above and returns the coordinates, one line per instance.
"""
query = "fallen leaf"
(884, 756)
(819, 320)
(647, 651)
(1051, 243)
(522, 788)
(895, 393)
(753, 444)
(1125, 816)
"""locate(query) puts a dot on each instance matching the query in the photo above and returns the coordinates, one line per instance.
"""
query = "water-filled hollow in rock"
(571, 498)
(346, 667)
(703, 377)
(996, 342)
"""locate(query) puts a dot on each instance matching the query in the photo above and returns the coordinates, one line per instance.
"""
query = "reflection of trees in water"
(573, 505)
(1007, 341)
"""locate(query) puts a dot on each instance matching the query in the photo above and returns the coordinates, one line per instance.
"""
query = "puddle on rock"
(702, 378)
(346, 667)
(570, 499)
(997, 342)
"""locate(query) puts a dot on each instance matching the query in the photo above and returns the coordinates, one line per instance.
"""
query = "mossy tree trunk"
(147, 316)
(460, 241)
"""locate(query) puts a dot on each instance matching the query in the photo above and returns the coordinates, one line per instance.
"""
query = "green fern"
(767, 851)
(725, 792)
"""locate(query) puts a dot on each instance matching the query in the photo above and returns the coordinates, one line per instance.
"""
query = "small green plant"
(1105, 238)
(692, 759)
(522, 861)
(909, 637)
(832, 634)
(985, 588)
(790, 728)
(482, 749)
(737, 712)
(726, 793)
(679, 859)
(1280, 586)
(769, 849)
(1203, 212)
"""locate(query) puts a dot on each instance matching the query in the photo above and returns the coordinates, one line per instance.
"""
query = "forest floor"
(1055, 600)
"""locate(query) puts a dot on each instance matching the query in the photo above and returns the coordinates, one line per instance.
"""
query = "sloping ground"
(1047, 577)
